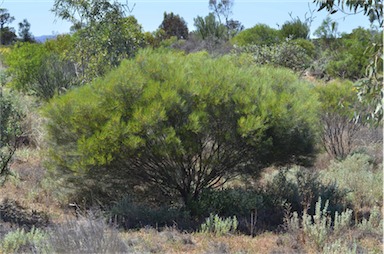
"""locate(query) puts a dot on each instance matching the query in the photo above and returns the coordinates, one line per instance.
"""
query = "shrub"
(182, 123)
(259, 35)
(219, 226)
(323, 234)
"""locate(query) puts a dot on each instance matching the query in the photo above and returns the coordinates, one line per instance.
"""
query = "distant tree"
(5, 18)
(181, 124)
(174, 25)
(24, 31)
(7, 34)
(295, 29)
(209, 27)
(104, 36)
(260, 34)
(223, 10)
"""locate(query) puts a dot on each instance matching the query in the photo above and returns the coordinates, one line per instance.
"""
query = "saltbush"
(359, 177)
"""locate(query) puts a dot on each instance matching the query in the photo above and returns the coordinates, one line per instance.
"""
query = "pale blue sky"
(149, 13)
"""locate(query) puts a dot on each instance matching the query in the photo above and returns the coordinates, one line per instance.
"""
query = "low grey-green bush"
(359, 177)
(286, 54)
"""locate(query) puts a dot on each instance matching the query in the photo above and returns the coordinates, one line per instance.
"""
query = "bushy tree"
(339, 103)
(182, 123)
(174, 25)
(260, 34)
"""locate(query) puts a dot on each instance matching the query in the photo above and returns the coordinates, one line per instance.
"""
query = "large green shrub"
(183, 123)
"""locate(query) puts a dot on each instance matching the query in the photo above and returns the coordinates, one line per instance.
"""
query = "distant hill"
(43, 38)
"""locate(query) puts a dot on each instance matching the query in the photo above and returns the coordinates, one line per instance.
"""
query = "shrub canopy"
(183, 123)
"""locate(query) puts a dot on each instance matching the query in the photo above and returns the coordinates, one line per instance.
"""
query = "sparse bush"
(219, 226)
(86, 235)
(131, 214)
(299, 188)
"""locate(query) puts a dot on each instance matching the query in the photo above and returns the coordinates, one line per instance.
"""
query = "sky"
(149, 14)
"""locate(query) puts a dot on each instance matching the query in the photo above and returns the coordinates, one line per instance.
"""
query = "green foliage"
(358, 175)
(307, 45)
(182, 123)
(174, 25)
(219, 226)
(260, 34)
(24, 61)
(295, 29)
(41, 69)
(287, 54)
(352, 55)
(19, 241)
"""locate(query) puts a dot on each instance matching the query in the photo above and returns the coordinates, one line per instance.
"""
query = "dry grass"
(172, 241)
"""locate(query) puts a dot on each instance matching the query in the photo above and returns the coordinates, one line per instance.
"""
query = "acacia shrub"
(182, 123)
